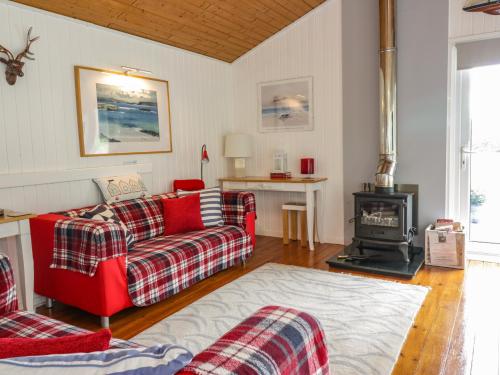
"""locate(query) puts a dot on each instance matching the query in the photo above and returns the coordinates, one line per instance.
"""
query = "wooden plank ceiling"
(222, 29)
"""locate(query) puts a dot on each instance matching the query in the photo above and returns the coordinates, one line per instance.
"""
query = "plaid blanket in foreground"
(80, 244)
(163, 266)
(29, 325)
(235, 207)
(275, 340)
(8, 298)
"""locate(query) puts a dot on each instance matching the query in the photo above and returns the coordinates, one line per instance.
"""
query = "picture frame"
(286, 105)
(121, 114)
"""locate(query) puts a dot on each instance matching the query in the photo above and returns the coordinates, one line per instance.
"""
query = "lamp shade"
(238, 146)
(204, 154)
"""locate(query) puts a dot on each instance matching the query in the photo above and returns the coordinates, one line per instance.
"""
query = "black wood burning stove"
(384, 221)
(384, 227)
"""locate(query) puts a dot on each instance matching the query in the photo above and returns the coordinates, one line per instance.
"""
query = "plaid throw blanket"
(275, 340)
(235, 206)
(8, 298)
(80, 244)
(163, 266)
(24, 324)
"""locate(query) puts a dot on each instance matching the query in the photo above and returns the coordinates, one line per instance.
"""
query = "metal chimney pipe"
(384, 178)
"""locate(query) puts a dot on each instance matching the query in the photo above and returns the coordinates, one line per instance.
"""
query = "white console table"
(16, 244)
(309, 186)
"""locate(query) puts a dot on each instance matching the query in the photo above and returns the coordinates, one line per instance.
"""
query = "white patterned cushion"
(122, 188)
(159, 359)
(103, 212)
(211, 205)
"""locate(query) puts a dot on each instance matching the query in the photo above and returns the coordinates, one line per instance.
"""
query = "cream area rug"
(365, 320)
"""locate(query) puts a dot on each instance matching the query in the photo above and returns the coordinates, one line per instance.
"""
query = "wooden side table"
(16, 244)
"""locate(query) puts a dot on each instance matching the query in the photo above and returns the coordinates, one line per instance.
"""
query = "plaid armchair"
(17, 323)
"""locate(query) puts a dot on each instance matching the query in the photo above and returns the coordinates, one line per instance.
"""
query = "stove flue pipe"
(384, 179)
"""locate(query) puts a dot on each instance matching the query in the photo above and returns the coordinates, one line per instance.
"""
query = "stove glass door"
(380, 213)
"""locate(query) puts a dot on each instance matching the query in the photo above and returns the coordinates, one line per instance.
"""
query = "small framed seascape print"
(286, 105)
(120, 114)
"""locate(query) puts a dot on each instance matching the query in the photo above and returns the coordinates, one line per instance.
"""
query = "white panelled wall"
(38, 127)
(209, 98)
(309, 47)
(466, 24)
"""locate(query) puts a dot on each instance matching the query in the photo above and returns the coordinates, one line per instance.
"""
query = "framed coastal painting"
(120, 114)
(286, 105)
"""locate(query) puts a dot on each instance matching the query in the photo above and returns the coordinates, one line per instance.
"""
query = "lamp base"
(239, 167)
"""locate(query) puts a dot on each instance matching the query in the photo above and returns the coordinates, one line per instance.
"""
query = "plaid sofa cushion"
(142, 216)
(236, 205)
(80, 244)
(275, 340)
(163, 266)
(30, 325)
(8, 298)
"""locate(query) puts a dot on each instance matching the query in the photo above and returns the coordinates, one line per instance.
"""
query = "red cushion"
(81, 343)
(182, 214)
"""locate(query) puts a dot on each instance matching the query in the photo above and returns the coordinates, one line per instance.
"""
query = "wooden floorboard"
(457, 331)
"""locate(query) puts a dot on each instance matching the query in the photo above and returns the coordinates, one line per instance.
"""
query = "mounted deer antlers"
(15, 66)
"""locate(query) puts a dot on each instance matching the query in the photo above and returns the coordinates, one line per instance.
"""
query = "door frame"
(458, 134)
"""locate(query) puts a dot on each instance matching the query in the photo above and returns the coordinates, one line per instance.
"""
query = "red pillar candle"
(307, 166)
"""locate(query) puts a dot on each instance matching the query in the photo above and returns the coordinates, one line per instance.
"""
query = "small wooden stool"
(293, 208)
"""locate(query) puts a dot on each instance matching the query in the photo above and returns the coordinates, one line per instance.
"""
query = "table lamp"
(239, 147)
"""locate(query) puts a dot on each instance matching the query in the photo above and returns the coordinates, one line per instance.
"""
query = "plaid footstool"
(275, 340)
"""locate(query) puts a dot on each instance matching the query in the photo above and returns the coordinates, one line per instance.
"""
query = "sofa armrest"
(239, 209)
(278, 339)
(103, 294)
(236, 205)
(81, 244)
(76, 244)
(42, 245)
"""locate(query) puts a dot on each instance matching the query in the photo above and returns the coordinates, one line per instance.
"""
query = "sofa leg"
(105, 321)
(49, 303)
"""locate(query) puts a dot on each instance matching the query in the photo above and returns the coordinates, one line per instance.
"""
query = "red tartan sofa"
(274, 341)
(86, 263)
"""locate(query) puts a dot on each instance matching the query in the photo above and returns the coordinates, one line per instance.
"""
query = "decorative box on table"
(445, 247)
